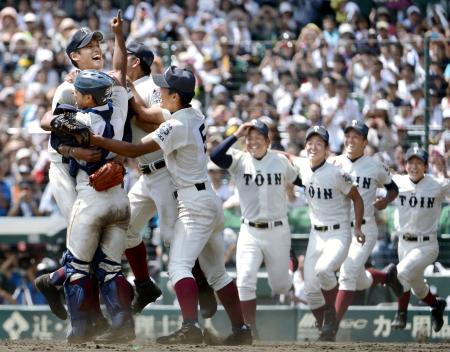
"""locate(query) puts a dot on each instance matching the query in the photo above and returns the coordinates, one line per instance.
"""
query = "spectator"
(5, 189)
(338, 111)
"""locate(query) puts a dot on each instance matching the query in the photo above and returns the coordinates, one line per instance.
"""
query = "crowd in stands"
(291, 64)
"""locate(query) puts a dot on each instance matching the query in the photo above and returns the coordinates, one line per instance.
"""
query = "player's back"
(183, 138)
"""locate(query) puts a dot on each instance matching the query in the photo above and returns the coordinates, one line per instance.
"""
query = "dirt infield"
(150, 346)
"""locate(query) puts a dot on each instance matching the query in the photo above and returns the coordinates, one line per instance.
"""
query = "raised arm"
(120, 52)
(219, 155)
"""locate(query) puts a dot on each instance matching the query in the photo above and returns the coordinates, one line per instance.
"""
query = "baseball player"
(261, 177)
(200, 219)
(149, 193)
(85, 53)
(419, 205)
(96, 233)
(329, 191)
(369, 174)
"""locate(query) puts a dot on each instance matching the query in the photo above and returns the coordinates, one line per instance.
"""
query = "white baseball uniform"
(265, 234)
(61, 183)
(100, 219)
(326, 189)
(152, 192)
(199, 224)
(369, 174)
(419, 206)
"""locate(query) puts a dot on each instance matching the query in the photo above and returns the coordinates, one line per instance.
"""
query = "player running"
(369, 174)
(261, 177)
(419, 206)
(329, 191)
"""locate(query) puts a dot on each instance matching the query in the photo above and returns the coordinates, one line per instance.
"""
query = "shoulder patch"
(163, 131)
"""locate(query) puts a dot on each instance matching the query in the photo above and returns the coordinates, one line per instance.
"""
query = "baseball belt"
(414, 238)
(352, 224)
(262, 225)
(147, 169)
(199, 186)
(327, 228)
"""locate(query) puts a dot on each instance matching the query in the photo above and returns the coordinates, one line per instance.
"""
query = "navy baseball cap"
(176, 78)
(320, 131)
(81, 38)
(417, 152)
(141, 51)
(261, 127)
(358, 126)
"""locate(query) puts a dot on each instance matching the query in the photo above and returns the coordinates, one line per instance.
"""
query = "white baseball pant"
(414, 257)
(353, 275)
(198, 234)
(325, 253)
(151, 193)
(62, 186)
(271, 245)
(98, 219)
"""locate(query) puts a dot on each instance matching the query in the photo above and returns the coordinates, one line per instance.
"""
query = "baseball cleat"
(52, 295)
(77, 339)
(392, 280)
(121, 334)
(329, 327)
(206, 299)
(399, 322)
(188, 334)
(100, 326)
(240, 337)
(97, 328)
(146, 292)
(437, 314)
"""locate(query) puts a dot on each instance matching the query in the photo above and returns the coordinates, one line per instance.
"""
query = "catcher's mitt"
(109, 175)
(66, 124)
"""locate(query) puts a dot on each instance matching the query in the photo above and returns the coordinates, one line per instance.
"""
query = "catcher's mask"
(96, 83)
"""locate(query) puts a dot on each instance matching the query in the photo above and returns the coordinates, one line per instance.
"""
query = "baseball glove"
(109, 175)
(65, 125)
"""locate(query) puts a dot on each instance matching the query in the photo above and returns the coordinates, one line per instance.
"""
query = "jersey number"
(202, 131)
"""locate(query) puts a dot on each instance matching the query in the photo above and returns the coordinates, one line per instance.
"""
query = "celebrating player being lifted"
(84, 51)
(369, 175)
(200, 218)
(261, 177)
(419, 206)
(329, 191)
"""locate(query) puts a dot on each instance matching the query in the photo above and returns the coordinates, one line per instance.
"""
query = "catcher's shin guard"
(117, 294)
(79, 294)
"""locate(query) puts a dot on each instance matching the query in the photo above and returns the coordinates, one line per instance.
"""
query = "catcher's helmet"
(96, 83)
